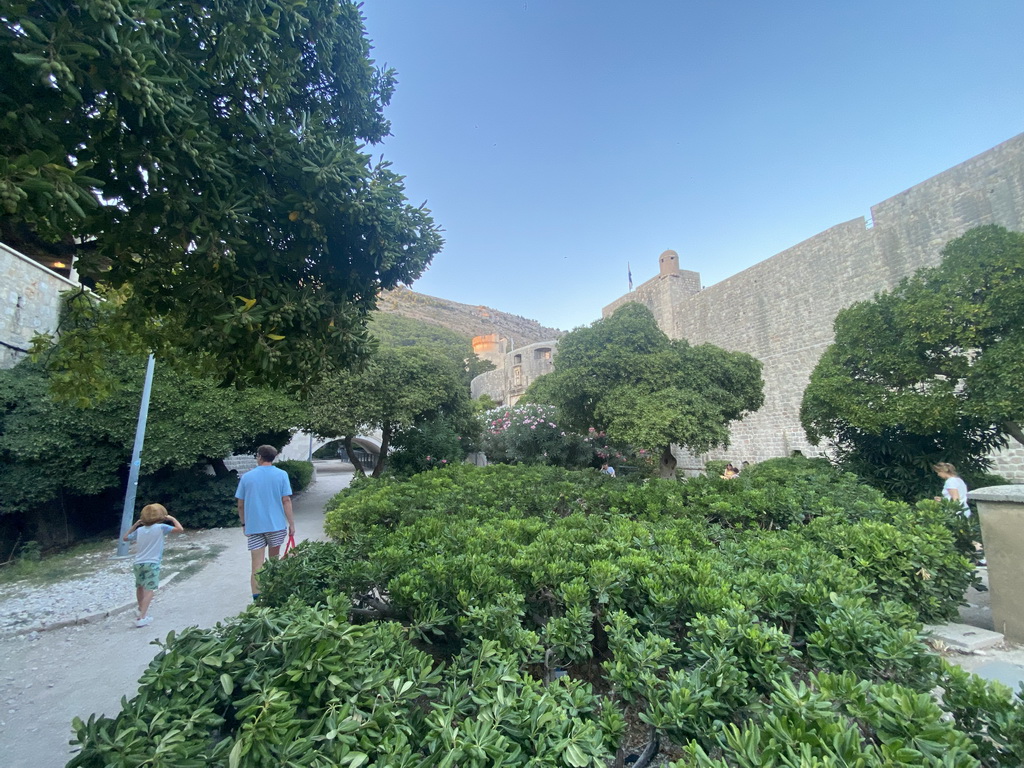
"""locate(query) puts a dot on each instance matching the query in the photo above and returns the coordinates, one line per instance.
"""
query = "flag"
(629, 272)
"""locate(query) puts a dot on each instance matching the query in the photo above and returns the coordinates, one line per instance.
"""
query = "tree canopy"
(49, 447)
(937, 363)
(398, 388)
(205, 163)
(624, 376)
(395, 330)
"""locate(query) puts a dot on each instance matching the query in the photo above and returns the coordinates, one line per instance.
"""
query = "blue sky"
(557, 140)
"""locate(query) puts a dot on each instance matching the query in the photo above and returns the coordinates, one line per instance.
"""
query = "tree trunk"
(347, 442)
(667, 465)
(1013, 430)
(220, 469)
(385, 441)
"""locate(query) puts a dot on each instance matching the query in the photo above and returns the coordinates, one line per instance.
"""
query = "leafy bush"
(530, 434)
(300, 473)
(432, 444)
(748, 637)
(197, 499)
(303, 687)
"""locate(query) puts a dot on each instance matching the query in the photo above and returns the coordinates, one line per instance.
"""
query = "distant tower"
(491, 347)
(669, 263)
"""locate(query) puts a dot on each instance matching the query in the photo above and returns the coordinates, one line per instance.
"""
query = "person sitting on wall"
(730, 471)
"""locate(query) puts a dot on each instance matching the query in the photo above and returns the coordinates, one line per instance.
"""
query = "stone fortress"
(513, 369)
(781, 310)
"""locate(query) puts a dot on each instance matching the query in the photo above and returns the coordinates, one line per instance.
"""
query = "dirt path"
(80, 670)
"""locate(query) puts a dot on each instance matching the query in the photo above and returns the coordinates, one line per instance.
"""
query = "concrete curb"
(78, 620)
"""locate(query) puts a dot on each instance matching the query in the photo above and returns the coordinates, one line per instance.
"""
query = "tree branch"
(1013, 429)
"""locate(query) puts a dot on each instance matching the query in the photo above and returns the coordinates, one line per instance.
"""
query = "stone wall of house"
(30, 302)
(781, 310)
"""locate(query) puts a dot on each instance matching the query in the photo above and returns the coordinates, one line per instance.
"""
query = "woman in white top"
(954, 487)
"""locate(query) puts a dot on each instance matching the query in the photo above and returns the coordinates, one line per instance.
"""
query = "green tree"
(394, 330)
(624, 376)
(50, 448)
(398, 388)
(935, 365)
(205, 163)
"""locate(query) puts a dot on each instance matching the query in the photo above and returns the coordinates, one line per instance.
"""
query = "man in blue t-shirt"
(265, 508)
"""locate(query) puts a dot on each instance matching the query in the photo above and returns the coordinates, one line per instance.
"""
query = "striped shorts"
(270, 539)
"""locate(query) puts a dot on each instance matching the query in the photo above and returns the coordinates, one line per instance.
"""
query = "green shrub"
(300, 473)
(304, 687)
(531, 434)
(911, 558)
(197, 499)
(748, 637)
(434, 444)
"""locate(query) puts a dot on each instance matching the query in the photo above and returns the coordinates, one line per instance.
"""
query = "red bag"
(288, 545)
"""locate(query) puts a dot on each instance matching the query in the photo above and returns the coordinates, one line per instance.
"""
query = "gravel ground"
(107, 584)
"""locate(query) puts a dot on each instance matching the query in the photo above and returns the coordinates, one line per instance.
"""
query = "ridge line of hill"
(465, 319)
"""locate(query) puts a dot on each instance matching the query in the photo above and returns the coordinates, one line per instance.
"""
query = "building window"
(517, 360)
(543, 353)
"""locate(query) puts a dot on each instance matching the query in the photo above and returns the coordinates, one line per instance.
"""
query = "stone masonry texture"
(30, 303)
(781, 310)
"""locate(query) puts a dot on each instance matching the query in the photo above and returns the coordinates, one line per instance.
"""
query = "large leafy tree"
(399, 388)
(935, 365)
(205, 163)
(50, 448)
(624, 376)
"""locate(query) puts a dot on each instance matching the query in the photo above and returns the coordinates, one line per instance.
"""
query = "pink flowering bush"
(531, 434)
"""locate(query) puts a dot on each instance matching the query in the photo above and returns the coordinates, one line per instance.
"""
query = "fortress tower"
(668, 263)
(664, 294)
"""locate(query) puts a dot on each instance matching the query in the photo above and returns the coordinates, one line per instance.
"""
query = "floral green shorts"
(147, 575)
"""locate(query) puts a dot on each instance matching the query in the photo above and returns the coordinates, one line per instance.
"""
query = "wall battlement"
(781, 310)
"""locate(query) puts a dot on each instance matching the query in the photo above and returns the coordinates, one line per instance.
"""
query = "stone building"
(31, 301)
(514, 370)
(781, 310)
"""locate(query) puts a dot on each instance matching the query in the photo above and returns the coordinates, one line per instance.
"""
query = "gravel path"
(49, 677)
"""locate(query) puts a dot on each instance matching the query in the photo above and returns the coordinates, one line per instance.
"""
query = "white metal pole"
(128, 513)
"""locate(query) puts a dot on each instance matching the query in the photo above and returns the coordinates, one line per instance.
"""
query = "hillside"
(465, 319)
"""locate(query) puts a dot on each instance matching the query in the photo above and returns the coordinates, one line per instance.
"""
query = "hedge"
(534, 616)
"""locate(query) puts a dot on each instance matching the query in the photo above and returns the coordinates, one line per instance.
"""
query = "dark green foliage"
(779, 493)
(987, 712)
(207, 161)
(303, 687)
(745, 643)
(431, 444)
(309, 574)
(840, 720)
(197, 499)
(929, 371)
(899, 463)
(623, 376)
(399, 388)
(50, 447)
(911, 556)
(300, 473)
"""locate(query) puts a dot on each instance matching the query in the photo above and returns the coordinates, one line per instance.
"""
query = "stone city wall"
(30, 303)
(781, 310)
